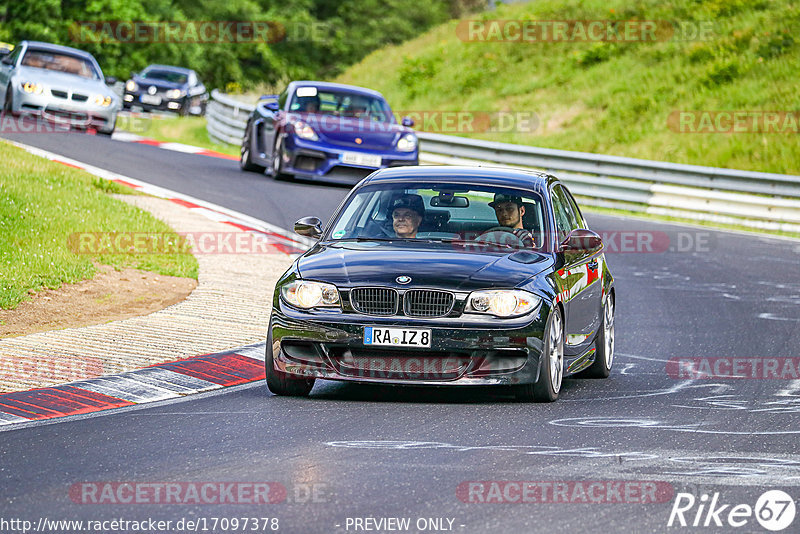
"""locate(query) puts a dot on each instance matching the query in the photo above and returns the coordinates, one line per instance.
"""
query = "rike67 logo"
(774, 510)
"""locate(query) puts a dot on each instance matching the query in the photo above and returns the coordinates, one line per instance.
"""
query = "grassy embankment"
(41, 204)
(613, 98)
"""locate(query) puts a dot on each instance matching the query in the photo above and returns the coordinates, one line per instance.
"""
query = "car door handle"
(592, 264)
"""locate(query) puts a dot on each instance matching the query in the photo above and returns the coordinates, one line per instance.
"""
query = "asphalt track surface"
(386, 452)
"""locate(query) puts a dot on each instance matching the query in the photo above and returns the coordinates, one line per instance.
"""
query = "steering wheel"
(500, 235)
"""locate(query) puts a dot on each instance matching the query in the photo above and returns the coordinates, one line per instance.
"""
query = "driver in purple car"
(509, 211)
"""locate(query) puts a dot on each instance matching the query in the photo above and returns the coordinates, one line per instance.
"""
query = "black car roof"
(502, 177)
(156, 66)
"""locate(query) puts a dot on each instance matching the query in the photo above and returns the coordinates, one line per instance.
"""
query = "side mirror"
(111, 80)
(309, 227)
(407, 121)
(581, 241)
(272, 106)
(7, 60)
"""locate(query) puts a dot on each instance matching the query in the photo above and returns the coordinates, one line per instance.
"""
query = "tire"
(604, 344)
(551, 364)
(245, 161)
(8, 104)
(183, 111)
(276, 170)
(280, 383)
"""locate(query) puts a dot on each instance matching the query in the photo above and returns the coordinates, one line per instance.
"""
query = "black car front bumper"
(330, 345)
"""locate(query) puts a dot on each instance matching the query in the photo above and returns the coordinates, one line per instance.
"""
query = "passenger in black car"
(407, 213)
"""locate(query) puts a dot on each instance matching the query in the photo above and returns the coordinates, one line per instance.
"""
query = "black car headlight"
(502, 302)
(306, 294)
(131, 86)
(174, 93)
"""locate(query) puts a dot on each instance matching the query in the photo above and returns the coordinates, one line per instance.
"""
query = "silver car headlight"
(306, 294)
(32, 88)
(407, 143)
(502, 302)
(174, 93)
(131, 86)
(103, 100)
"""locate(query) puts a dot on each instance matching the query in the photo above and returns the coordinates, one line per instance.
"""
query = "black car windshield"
(340, 104)
(436, 212)
(59, 62)
(166, 75)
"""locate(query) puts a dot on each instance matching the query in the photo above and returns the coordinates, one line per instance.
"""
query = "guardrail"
(227, 118)
(728, 196)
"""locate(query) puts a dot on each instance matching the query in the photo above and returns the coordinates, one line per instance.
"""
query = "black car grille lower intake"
(428, 303)
(374, 300)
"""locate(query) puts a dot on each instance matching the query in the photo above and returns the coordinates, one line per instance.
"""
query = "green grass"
(613, 98)
(186, 130)
(41, 204)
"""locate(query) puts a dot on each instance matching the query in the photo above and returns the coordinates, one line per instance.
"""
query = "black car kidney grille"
(58, 94)
(428, 303)
(79, 98)
(374, 300)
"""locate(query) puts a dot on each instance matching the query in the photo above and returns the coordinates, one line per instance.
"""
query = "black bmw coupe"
(446, 276)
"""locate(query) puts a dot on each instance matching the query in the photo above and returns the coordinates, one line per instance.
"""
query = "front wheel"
(8, 104)
(281, 383)
(551, 364)
(245, 158)
(604, 345)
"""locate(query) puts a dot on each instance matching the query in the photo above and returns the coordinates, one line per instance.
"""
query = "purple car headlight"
(407, 143)
(304, 131)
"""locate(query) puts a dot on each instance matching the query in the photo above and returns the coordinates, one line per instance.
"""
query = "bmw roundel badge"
(403, 279)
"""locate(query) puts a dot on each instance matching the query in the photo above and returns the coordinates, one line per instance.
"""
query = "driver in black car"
(407, 213)
(509, 210)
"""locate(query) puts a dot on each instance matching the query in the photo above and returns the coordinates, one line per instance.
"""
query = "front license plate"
(151, 99)
(397, 337)
(365, 160)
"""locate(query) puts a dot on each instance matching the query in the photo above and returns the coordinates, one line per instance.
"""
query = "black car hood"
(438, 265)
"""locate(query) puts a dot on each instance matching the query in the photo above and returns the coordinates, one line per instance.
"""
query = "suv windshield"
(56, 61)
(166, 75)
(435, 212)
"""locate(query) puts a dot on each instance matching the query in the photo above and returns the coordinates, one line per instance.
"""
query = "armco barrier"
(728, 196)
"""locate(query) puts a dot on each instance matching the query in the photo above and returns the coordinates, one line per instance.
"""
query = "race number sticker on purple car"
(397, 337)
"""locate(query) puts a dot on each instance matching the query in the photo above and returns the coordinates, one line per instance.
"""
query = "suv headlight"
(31, 87)
(407, 143)
(502, 302)
(174, 93)
(305, 294)
(131, 86)
(304, 131)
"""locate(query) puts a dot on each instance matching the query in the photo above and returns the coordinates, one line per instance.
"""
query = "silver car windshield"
(59, 62)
